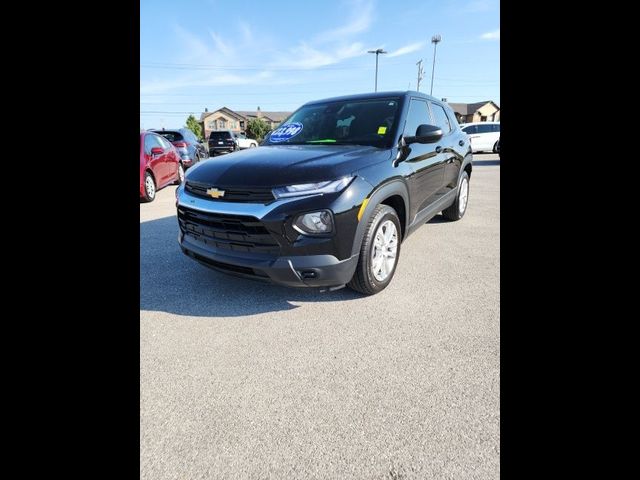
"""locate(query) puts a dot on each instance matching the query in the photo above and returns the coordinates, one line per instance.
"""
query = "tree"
(257, 128)
(194, 126)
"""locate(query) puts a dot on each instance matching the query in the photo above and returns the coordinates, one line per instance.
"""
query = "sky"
(279, 54)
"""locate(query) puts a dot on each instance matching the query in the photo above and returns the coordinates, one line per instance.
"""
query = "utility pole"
(435, 40)
(377, 52)
(420, 74)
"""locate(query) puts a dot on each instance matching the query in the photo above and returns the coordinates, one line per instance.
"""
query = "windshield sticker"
(382, 130)
(285, 132)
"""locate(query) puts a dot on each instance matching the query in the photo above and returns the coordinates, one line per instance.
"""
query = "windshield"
(352, 122)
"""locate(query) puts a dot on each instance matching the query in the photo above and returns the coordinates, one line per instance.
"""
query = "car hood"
(279, 165)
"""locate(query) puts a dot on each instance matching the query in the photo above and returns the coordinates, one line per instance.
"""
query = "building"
(486, 111)
(226, 119)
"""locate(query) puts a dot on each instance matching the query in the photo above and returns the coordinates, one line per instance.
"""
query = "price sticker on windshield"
(285, 132)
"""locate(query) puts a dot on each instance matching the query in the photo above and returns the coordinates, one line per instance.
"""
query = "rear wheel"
(379, 252)
(180, 174)
(149, 187)
(457, 210)
(252, 145)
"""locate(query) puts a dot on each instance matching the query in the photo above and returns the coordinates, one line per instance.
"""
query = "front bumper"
(258, 240)
(292, 271)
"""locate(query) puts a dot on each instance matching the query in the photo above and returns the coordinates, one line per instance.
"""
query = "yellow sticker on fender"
(382, 130)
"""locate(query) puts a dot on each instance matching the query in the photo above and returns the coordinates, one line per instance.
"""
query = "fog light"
(314, 223)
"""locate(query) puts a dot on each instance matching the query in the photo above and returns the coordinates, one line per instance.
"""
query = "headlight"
(314, 223)
(312, 188)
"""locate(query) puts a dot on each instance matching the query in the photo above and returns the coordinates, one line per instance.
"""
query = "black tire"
(179, 180)
(252, 145)
(149, 193)
(363, 280)
(495, 147)
(453, 213)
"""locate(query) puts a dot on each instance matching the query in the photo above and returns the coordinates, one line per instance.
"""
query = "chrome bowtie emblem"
(215, 193)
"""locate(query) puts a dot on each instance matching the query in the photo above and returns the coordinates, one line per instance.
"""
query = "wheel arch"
(394, 194)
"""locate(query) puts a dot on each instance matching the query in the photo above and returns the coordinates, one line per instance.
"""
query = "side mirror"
(425, 134)
(157, 151)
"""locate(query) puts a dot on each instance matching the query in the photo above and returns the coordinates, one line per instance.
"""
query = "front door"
(425, 160)
(155, 161)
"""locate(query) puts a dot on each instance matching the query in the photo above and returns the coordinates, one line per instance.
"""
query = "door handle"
(461, 143)
(438, 149)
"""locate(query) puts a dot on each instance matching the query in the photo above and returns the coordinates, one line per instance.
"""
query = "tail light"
(180, 144)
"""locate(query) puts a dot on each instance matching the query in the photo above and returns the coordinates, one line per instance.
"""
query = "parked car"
(191, 150)
(331, 194)
(484, 136)
(222, 141)
(160, 165)
(243, 142)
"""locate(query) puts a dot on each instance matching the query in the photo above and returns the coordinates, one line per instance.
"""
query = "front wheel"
(149, 187)
(379, 252)
(252, 145)
(457, 210)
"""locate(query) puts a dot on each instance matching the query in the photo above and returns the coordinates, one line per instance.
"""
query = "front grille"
(231, 232)
(231, 194)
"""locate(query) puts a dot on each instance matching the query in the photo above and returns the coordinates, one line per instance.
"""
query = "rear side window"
(485, 128)
(172, 136)
(495, 127)
(441, 118)
(470, 130)
(418, 115)
(219, 136)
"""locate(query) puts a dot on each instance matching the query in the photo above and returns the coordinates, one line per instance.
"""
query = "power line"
(194, 66)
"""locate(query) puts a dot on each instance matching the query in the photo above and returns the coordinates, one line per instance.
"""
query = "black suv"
(329, 196)
(222, 141)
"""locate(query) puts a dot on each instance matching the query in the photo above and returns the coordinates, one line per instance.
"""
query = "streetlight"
(435, 40)
(377, 52)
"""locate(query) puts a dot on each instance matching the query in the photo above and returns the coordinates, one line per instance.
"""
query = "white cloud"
(246, 31)
(203, 80)
(308, 57)
(221, 47)
(494, 35)
(413, 47)
(360, 21)
(194, 47)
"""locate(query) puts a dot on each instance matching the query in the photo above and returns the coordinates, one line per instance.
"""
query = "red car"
(160, 165)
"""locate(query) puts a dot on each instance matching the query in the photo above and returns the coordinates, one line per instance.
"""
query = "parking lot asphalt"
(240, 379)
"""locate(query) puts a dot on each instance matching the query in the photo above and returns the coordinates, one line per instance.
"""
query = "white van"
(484, 136)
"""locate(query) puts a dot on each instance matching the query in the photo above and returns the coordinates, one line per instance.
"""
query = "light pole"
(435, 40)
(377, 52)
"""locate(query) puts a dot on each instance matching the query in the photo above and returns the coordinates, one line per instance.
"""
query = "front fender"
(377, 196)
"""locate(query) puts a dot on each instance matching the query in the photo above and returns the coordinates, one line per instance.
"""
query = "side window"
(441, 118)
(418, 115)
(495, 127)
(471, 129)
(484, 128)
(149, 143)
